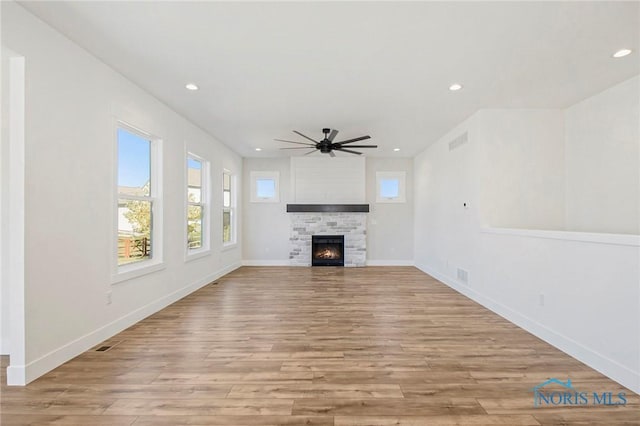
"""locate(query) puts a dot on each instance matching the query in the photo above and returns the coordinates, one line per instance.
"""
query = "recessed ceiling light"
(191, 86)
(396, 149)
(258, 149)
(622, 53)
(455, 87)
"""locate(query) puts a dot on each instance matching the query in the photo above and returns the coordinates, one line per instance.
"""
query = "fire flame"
(327, 254)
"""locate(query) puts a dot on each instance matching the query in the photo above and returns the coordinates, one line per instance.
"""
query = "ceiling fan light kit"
(327, 145)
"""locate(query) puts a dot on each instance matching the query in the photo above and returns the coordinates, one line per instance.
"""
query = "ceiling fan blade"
(299, 143)
(298, 147)
(332, 154)
(310, 152)
(349, 151)
(361, 138)
(306, 137)
(332, 135)
(363, 146)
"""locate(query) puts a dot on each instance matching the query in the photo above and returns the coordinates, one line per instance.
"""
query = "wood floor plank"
(201, 407)
(315, 346)
(387, 407)
(316, 391)
(453, 420)
(145, 391)
(67, 420)
(234, 420)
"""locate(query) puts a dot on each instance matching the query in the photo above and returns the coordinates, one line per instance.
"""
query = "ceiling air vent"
(459, 141)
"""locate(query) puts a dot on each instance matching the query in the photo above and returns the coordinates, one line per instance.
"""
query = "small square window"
(264, 187)
(390, 187)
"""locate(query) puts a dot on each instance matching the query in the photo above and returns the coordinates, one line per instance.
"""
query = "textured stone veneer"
(352, 225)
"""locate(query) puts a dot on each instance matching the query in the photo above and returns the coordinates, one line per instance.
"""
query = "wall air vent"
(107, 346)
(459, 141)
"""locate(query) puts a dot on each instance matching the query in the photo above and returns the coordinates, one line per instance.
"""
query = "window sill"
(196, 254)
(229, 246)
(264, 200)
(129, 272)
(390, 200)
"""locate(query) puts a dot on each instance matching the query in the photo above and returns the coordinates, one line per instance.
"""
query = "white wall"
(522, 168)
(266, 225)
(389, 225)
(328, 180)
(389, 229)
(72, 101)
(445, 230)
(4, 196)
(589, 283)
(590, 286)
(602, 151)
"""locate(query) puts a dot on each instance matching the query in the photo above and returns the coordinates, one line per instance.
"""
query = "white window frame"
(205, 204)
(231, 209)
(401, 177)
(257, 175)
(156, 263)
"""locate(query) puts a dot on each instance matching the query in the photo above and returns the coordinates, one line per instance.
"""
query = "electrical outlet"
(108, 297)
(463, 275)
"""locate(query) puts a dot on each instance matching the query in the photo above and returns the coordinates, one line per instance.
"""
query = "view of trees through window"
(195, 204)
(227, 211)
(135, 204)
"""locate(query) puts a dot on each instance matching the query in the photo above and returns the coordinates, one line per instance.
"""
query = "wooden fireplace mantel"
(327, 208)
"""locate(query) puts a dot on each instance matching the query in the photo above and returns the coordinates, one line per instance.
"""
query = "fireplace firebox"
(327, 250)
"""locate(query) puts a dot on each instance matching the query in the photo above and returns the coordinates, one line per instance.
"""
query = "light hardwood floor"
(316, 346)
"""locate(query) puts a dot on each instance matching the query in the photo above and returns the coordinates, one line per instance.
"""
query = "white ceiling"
(379, 68)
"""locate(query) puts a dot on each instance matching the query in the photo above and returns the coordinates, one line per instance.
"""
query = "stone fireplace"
(351, 226)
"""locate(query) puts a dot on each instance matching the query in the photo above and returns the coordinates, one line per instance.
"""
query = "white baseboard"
(378, 262)
(266, 262)
(21, 375)
(610, 368)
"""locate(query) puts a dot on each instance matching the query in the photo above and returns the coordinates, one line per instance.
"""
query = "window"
(228, 213)
(390, 187)
(139, 218)
(197, 204)
(265, 187)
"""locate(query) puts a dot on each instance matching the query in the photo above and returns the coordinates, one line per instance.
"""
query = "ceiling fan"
(327, 145)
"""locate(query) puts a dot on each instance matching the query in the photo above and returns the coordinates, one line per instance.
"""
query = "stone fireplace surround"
(353, 225)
